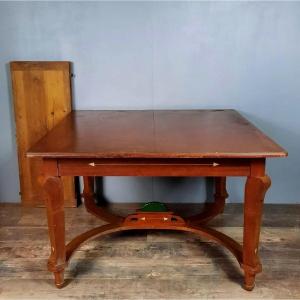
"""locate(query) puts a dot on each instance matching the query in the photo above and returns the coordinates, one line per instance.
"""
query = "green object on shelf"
(154, 207)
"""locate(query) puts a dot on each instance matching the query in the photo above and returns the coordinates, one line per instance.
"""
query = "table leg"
(211, 210)
(88, 185)
(53, 187)
(91, 206)
(220, 193)
(255, 190)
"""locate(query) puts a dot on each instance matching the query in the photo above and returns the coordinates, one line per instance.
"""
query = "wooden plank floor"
(147, 265)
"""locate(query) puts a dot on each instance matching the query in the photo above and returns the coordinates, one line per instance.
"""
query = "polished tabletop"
(156, 134)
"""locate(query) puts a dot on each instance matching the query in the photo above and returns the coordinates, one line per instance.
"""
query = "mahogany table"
(216, 143)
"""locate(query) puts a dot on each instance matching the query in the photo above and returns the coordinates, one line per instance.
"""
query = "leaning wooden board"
(42, 98)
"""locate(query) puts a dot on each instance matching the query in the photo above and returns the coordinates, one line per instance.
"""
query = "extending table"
(215, 143)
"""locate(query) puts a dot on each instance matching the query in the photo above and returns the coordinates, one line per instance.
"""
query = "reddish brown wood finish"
(154, 220)
(202, 231)
(255, 190)
(212, 209)
(154, 167)
(220, 192)
(91, 206)
(157, 143)
(156, 134)
(56, 225)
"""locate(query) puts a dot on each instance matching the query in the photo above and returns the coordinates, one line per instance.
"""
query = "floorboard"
(148, 265)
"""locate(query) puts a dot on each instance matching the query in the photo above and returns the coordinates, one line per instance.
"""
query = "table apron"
(87, 167)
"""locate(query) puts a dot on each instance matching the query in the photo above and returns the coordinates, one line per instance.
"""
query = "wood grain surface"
(156, 134)
(148, 264)
(42, 98)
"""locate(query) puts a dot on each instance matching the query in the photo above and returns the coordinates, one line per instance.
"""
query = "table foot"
(58, 272)
(249, 282)
(59, 279)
